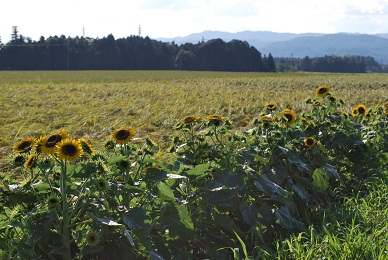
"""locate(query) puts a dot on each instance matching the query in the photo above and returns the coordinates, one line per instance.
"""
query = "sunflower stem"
(65, 212)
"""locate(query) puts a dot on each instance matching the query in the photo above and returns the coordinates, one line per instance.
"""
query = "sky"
(173, 18)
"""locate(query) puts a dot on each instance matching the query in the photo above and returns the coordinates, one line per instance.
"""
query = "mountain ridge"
(300, 45)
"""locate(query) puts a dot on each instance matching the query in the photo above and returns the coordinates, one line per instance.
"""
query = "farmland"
(92, 103)
(193, 165)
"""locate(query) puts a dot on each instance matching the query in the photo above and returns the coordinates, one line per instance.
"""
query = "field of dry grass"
(92, 103)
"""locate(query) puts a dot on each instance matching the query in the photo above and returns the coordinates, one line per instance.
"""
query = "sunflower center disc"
(122, 134)
(69, 150)
(53, 140)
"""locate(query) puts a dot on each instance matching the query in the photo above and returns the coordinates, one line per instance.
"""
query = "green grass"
(357, 228)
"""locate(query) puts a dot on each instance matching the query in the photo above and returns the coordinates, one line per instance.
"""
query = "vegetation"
(130, 53)
(264, 166)
(332, 63)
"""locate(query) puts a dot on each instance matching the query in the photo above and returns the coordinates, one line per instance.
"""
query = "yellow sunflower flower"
(215, 119)
(270, 106)
(30, 162)
(24, 145)
(316, 103)
(385, 110)
(86, 146)
(322, 91)
(310, 141)
(332, 99)
(354, 112)
(267, 118)
(361, 109)
(304, 121)
(289, 115)
(46, 144)
(123, 135)
(69, 150)
(188, 120)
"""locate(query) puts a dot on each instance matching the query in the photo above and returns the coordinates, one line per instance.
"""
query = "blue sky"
(171, 18)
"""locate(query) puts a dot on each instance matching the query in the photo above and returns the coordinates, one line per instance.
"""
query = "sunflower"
(289, 115)
(322, 91)
(86, 146)
(304, 121)
(310, 141)
(46, 144)
(355, 111)
(188, 120)
(332, 99)
(385, 104)
(270, 106)
(30, 162)
(316, 103)
(385, 110)
(92, 239)
(24, 145)
(52, 201)
(267, 118)
(68, 149)
(123, 135)
(215, 119)
(17, 159)
(102, 184)
(361, 109)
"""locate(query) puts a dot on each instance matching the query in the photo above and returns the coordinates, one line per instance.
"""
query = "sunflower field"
(263, 166)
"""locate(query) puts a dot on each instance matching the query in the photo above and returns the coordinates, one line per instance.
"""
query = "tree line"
(331, 63)
(130, 53)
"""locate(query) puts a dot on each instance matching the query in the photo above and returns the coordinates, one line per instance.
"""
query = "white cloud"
(170, 18)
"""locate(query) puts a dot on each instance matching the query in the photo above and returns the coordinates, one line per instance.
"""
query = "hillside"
(301, 45)
(331, 44)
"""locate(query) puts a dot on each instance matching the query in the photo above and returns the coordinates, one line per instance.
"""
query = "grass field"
(92, 104)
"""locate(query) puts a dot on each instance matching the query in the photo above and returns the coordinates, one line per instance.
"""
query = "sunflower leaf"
(106, 221)
(320, 179)
(286, 220)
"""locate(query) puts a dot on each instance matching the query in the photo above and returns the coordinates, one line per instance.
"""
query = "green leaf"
(244, 247)
(129, 237)
(300, 189)
(198, 171)
(293, 158)
(42, 187)
(249, 213)
(223, 196)
(132, 189)
(320, 179)
(287, 221)
(84, 170)
(268, 187)
(165, 192)
(227, 179)
(330, 171)
(178, 220)
(106, 221)
(155, 175)
(226, 222)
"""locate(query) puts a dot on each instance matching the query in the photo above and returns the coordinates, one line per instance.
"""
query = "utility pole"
(139, 30)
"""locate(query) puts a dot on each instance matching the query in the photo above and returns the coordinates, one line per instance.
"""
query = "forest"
(143, 53)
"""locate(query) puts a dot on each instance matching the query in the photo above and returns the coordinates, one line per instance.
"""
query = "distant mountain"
(301, 45)
(331, 44)
(258, 39)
